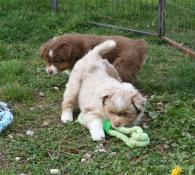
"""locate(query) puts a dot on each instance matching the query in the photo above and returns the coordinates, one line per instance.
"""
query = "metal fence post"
(54, 5)
(161, 18)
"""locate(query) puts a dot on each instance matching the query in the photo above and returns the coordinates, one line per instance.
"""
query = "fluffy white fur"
(100, 95)
(67, 116)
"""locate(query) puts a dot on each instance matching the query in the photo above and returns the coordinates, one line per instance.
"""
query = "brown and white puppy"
(94, 85)
(62, 52)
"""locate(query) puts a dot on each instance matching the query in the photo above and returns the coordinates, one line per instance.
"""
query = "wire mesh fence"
(180, 22)
(173, 19)
(135, 15)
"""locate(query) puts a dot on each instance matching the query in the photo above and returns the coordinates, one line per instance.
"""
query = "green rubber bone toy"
(138, 137)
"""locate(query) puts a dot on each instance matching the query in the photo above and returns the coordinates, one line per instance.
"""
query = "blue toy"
(6, 117)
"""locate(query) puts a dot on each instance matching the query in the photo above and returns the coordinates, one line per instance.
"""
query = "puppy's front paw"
(97, 135)
(66, 116)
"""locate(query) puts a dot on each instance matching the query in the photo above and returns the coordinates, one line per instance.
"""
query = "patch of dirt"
(3, 161)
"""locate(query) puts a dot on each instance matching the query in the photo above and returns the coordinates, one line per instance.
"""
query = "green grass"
(167, 79)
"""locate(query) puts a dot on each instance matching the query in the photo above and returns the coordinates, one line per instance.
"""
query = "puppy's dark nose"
(50, 72)
(118, 124)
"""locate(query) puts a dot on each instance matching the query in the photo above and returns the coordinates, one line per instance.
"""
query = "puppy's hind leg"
(70, 97)
(126, 69)
(111, 70)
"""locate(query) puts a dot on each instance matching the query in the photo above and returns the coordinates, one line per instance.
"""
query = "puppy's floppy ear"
(63, 49)
(139, 102)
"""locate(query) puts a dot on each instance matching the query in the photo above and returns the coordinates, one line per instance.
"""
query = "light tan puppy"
(95, 86)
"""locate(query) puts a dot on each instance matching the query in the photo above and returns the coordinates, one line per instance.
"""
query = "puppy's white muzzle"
(52, 70)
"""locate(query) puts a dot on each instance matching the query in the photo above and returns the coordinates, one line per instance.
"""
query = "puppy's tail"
(104, 47)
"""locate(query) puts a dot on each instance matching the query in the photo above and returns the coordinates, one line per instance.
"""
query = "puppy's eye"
(112, 113)
(56, 61)
(124, 113)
